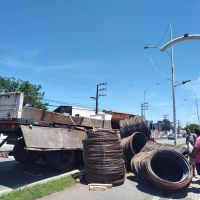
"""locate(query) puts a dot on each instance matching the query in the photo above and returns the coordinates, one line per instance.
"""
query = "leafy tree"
(165, 125)
(192, 127)
(32, 95)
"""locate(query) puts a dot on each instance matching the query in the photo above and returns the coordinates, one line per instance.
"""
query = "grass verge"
(182, 145)
(40, 190)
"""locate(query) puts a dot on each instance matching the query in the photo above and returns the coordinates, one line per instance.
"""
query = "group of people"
(193, 144)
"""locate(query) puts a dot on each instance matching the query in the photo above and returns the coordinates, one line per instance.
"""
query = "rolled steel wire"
(134, 124)
(165, 168)
(151, 145)
(103, 158)
(132, 145)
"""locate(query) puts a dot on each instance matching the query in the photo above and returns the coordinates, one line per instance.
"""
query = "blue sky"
(70, 46)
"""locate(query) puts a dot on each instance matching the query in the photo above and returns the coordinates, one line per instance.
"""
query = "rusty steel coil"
(165, 168)
(103, 158)
(132, 145)
(151, 145)
(134, 124)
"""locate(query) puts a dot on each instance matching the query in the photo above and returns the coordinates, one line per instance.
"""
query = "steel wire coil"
(134, 124)
(132, 145)
(165, 168)
(103, 158)
(151, 145)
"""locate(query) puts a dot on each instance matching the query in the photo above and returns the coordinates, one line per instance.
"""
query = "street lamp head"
(184, 82)
(149, 47)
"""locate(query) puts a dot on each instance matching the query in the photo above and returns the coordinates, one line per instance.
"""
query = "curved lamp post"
(163, 48)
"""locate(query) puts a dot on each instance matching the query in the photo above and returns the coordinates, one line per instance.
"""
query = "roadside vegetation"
(182, 145)
(192, 127)
(33, 96)
(40, 190)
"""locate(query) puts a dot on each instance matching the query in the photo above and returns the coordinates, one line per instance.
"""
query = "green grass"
(182, 145)
(40, 190)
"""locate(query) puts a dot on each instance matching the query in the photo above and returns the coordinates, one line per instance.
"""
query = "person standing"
(190, 141)
(152, 129)
(196, 150)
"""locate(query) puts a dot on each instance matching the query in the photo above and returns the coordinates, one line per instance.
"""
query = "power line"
(164, 34)
(166, 116)
(156, 69)
(67, 103)
(20, 58)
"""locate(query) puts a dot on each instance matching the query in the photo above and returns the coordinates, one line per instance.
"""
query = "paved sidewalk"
(127, 191)
(130, 190)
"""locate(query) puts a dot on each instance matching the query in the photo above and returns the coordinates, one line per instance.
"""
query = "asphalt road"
(166, 141)
(14, 175)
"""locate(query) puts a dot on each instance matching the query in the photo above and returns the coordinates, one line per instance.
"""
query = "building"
(82, 112)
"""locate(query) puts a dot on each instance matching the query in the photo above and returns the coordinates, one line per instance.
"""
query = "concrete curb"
(41, 182)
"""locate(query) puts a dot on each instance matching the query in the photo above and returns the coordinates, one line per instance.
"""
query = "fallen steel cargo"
(165, 168)
(134, 124)
(37, 134)
(132, 145)
(103, 158)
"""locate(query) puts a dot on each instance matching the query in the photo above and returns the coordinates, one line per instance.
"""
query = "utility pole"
(197, 108)
(144, 106)
(166, 116)
(98, 89)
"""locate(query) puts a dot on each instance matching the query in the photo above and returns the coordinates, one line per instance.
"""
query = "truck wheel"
(21, 155)
(61, 160)
(65, 160)
(79, 158)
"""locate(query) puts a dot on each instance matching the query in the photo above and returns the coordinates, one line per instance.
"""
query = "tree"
(166, 125)
(33, 96)
(192, 127)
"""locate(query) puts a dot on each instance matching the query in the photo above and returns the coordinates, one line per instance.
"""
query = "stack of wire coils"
(132, 145)
(103, 158)
(163, 165)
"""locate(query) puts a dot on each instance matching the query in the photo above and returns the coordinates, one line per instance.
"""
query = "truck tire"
(79, 158)
(21, 155)
(61, 160)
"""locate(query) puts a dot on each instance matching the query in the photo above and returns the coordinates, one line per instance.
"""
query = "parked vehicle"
(43, 135)
(171, 136)
(184, 135)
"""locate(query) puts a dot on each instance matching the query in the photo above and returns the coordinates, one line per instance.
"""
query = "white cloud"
(163, 104)
(194, 87)
(30, 60)
(151, 95)
(71, 65)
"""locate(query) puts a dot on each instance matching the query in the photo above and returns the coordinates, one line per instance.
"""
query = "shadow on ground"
(146, 187)
(14, 175)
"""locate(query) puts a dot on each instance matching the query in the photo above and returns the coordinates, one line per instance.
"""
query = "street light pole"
(197, 108)
(163, 48)
(173, 88)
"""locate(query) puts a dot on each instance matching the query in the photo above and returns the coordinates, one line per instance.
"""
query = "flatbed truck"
(43, 136)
